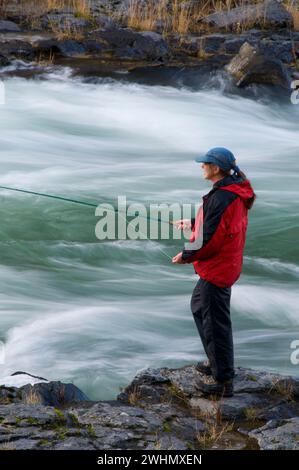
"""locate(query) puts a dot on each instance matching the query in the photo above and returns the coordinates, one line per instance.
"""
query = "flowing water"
(96, 312)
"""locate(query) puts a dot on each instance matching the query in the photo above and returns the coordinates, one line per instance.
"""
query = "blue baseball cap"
(220, 156)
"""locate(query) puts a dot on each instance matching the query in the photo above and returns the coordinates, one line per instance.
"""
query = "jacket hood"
(239, 186)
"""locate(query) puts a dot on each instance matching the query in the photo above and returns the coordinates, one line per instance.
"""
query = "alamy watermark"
(294, 357)
(295, 93)
(140, 222)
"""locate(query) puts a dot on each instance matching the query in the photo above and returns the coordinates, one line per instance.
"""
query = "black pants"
(210, 306)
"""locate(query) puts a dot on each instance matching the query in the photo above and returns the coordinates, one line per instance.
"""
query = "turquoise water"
(95, 313)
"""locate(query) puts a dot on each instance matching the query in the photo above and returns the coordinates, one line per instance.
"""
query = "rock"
(138, 427)
(212, 43)
(278, 435)
(268, 14)
(4, 61)
(17, 49)
(250, 65)
(281, 49)
(168, 443)
(63, 48)
(129, 44)
(22, 414)
(160, 409)
(70, 48)
(232, 46)
(283, 410)
(74, 443)
(52, 393)
(9, 27)
(38, 390)
(151, 45)
(234, 408)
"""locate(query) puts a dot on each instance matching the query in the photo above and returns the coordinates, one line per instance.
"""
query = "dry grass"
(134, 396)
(251, 414)
(33, 10)
(176, 17)
(284, 388)
(32, 398)
(67, 31)
(213, 434)
(145, 18)
(46, 60)
(7, 446)
(78, 6)
(294, 10)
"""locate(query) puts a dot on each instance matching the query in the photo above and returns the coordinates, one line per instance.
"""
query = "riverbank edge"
(160, 409)
(102, 43)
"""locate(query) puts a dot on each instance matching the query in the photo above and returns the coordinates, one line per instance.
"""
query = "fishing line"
(75, 201)
(84, 203)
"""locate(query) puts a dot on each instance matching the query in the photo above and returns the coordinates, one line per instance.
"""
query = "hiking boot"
(204, 367)
(210, 386)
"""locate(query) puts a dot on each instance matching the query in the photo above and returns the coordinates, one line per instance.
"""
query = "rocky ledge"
(112, 36)
(160, 409)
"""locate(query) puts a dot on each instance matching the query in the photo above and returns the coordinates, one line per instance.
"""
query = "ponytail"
(238, 172)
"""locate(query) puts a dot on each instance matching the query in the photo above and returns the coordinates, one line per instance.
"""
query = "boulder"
(278, 435)
(268, 14)
(9, 27)
(234, 408)
(250, 65)
(22, 387)
(4, 61)
(17, 49)
(282, 49)
(52, 393)
(150, 46)
(128, 44)
(64, 48)
(212, 43)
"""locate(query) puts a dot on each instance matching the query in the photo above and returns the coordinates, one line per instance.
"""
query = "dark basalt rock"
(68, 47)
(267, 14)
(129, 44)
(16, 49)
(251, 65)
(53, 393)
(9, 27)
(4, 61)
(44, 392)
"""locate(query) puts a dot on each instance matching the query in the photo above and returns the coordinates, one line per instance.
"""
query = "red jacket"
(219, 232)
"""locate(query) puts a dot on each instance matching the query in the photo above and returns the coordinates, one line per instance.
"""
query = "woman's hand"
(177, 259)
(183, 224)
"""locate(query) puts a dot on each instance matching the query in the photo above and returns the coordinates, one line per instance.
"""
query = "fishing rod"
(84, 203)
(75, 201)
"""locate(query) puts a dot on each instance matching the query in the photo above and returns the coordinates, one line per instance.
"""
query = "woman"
(216, 251)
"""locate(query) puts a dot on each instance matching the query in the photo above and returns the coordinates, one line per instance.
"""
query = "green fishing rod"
(74, 201)
(77, 201)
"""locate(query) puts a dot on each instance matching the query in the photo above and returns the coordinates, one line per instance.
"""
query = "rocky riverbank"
(159, 409)
(252, 43)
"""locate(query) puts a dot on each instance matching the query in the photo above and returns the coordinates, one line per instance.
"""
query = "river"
(95, 313)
